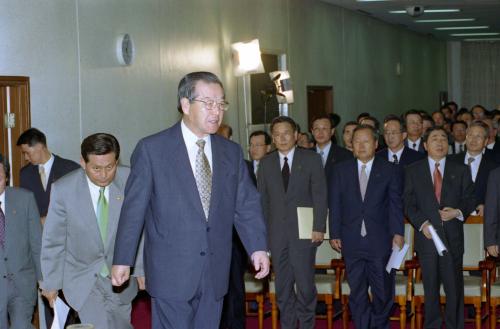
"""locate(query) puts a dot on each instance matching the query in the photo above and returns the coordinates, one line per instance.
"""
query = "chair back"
(473, 242)
(324, 255)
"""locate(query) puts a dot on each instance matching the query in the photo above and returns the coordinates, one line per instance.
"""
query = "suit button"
(95, 275)
(202, 253)
(5, 276)
(208, 229)
(5, 259)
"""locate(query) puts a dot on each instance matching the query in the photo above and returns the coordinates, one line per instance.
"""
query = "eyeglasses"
(211, 104)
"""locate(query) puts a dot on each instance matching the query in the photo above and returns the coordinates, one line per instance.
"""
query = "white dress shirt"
(456, 145)
(368, 168)
(255, 166)
(2, 200)
(190, 140)
(416, 142)
(474, 166)
(94, 194)
(47, 167)
(490, 146)
(325, 150)
(390, 154)
(289, 157)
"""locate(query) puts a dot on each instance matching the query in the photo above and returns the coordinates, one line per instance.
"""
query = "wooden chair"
(255, 290)
(475, 287)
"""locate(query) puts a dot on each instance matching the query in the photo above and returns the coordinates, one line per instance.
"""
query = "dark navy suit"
(366, 257)
(187, 257)
(408, 156)
(30, 180)
(421, 148)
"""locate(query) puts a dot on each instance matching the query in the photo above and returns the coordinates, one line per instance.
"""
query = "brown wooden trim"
(13, 80)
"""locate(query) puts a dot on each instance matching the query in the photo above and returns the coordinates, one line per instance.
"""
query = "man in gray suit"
(288, 178)
(20, 239)
(79, 237)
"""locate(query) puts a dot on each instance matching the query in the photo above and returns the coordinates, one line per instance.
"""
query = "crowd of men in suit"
(190, 212)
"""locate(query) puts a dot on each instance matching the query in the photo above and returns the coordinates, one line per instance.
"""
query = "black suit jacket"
(421, 148)
(408, 156)
(30, 180)
(335, 155)
(487, 164)
(421, 203)
(251, 171)
(492, 210)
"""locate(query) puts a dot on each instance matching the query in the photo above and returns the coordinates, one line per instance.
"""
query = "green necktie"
(102, 220)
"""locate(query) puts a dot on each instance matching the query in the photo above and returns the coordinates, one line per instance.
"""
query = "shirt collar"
(398, 153)
(432, 164)
(2, 199)
(325, 148)
(289, 156)
(368, 165)
(48, 165)
(190, 138)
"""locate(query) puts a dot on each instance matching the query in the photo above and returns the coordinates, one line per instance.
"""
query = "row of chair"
(481, 283)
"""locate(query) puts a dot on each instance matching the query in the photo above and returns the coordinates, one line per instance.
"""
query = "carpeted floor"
(142, 309)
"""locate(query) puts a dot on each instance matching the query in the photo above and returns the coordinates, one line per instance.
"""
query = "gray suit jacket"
(306, 188)
(72, 249)
(20, 260)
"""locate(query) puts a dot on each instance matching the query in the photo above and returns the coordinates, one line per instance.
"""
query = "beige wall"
(77, 87)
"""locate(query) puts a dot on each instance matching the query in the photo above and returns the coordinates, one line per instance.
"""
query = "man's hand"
(42, 219)
(493, 250)
(398, 240)
(336, 244)
(425, 230)
(51, 296)
(480, 210)
(119, 274)
(141, 282)
(317, 236)
(261, 263)
(448, 213)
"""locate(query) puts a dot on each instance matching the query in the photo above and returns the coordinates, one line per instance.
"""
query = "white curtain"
(481, 74)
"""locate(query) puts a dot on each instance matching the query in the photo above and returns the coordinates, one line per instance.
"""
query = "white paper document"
(397, 257)
(305, 217)
(60, 314)
(437, 241)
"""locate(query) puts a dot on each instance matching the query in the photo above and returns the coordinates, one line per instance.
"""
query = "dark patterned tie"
(415, 146)
(2, 228)
(203, 176)
(395, 159)
(285, 173)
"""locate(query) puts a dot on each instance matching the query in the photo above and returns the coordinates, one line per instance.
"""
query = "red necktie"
(438, 182)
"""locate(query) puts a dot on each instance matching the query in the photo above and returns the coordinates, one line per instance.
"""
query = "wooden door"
(319, 102)
(15, 118)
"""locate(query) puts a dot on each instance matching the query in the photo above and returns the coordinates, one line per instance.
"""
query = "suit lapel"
(295, 171)
(449, 177)
(115, 204)
(87, 209)
(355, 179)
(372, 178)
(183, 170)
(219, 168)
(426, 176)
(276, 171)
(10, 217)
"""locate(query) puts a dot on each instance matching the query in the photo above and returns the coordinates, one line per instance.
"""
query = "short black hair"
(349, 123)
(267, 138)
(409, 112)
(282, 119)
(430, 130)
(6, 166)
(323, 117)
(362, 115)
(393, 117)
(187, 85)
(458, 122)
(366, 127)
(31, 137)
(100, 144)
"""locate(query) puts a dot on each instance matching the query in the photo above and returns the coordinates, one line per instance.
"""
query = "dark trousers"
(295, 287)
(363, 271)
(446, 270)
(202, 311)
(233, 310)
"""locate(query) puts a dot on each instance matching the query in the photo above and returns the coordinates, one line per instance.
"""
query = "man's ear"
(185, 105)
(82, 162)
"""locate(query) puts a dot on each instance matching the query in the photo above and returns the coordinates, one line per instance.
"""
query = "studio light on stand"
(247, 60)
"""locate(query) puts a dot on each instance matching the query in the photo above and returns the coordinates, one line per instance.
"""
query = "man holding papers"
(366, 220)
(439, 195)
(289, 178)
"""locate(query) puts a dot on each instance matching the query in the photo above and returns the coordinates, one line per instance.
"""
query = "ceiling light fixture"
(449, 20)
(427, 11)
(473, 34)
(461, 28)
(483, 39)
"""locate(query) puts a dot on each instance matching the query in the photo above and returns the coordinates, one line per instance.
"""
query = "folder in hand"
(305, 217)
